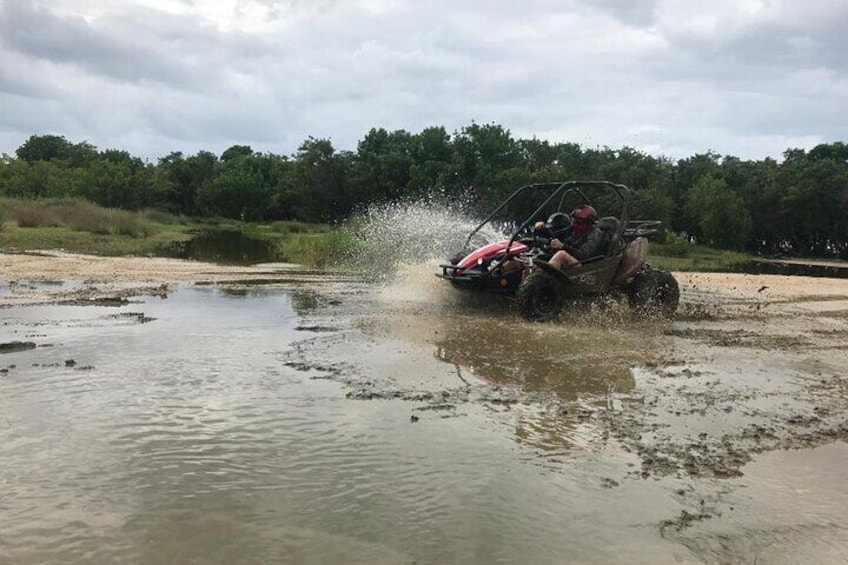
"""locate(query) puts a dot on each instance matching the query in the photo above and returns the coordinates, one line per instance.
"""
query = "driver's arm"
(541, 230)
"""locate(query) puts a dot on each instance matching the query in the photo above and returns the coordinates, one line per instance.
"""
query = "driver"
(583, 241)
(557, 227)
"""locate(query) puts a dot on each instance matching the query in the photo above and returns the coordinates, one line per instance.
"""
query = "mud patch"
(16, 346)
(111, 301)
(316, 328)
(682, 522)
(739, 338)
(135, 317)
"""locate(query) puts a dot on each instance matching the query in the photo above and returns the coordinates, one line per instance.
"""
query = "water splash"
(429, 230)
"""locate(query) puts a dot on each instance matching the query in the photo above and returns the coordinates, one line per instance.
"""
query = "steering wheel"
(536, 241)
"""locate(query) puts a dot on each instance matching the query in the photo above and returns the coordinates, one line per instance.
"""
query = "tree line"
(797, 205)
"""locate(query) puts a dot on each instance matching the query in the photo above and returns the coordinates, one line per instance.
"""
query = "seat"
(610, 227)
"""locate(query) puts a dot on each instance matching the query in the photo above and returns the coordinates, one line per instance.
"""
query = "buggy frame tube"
(510, 199)
(620, 190)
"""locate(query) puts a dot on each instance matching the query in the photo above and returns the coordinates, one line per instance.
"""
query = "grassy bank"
(78, 226)
(694, 258)
(81, 227)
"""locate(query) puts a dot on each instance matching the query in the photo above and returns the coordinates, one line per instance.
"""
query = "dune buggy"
(518, 265)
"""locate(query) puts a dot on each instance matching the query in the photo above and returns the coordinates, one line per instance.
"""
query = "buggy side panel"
(596, 277)
(592, 278)
(634, 259)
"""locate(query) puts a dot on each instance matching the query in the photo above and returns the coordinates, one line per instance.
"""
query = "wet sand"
(57, 265)
(733, 288)
(38, 277)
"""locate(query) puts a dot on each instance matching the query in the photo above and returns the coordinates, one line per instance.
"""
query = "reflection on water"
(505, 361)
(224, 246)
(539, 359)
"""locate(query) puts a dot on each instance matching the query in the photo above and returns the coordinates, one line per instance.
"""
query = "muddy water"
(348, 423)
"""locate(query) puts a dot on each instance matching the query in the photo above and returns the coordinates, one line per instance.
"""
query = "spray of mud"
(399, 245)
(393, 235)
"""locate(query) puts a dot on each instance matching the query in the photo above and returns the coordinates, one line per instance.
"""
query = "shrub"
(78, 215)
(674, 246)
(288, 226)
(35, 218)
(160, 217)
(105, 221)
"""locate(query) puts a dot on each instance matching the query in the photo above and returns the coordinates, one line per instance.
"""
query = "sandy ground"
(46, 277)
(107, 272)
(56, 265)
(766, 287)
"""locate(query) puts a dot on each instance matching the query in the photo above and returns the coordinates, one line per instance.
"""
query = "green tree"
(319, 182)
(236, 152)
(720, 216)
(813, 200)
(56, 147)
(246, 187)
(381, 165)
(178, 180)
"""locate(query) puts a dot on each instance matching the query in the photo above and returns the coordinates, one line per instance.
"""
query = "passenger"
(583, 241)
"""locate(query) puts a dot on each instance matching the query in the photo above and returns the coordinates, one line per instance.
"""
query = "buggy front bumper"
(481, 280)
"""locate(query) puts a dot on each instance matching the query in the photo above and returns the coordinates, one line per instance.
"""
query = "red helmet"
(583, 218)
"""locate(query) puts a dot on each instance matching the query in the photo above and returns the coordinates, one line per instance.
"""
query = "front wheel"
(540, 297)
(654, 291)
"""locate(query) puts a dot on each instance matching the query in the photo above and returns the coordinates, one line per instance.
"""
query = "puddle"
(347, 423)
(229, 247)
(790, 507)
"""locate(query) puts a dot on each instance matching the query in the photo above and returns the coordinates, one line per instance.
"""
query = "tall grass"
(696, 258)
(290, 227)
(77, 215)
(160, 217)
(327, 249)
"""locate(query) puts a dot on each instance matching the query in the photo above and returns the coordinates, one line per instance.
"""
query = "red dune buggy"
(518, 265)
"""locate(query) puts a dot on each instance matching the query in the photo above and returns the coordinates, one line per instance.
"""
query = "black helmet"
(559, 221)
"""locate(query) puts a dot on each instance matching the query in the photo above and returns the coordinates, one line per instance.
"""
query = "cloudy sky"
(748, 78)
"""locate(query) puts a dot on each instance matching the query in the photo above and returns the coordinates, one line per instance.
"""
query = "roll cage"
(626, 228)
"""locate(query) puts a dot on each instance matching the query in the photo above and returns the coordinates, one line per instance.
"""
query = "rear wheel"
(540, 297)
(654, 291)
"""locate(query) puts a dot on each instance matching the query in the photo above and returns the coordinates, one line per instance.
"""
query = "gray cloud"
(138, 45)
(40, 34)
(655, 74)
(640, 13)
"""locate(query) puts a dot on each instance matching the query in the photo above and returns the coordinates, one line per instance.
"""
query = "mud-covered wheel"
(540, 297)
(654, 291)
